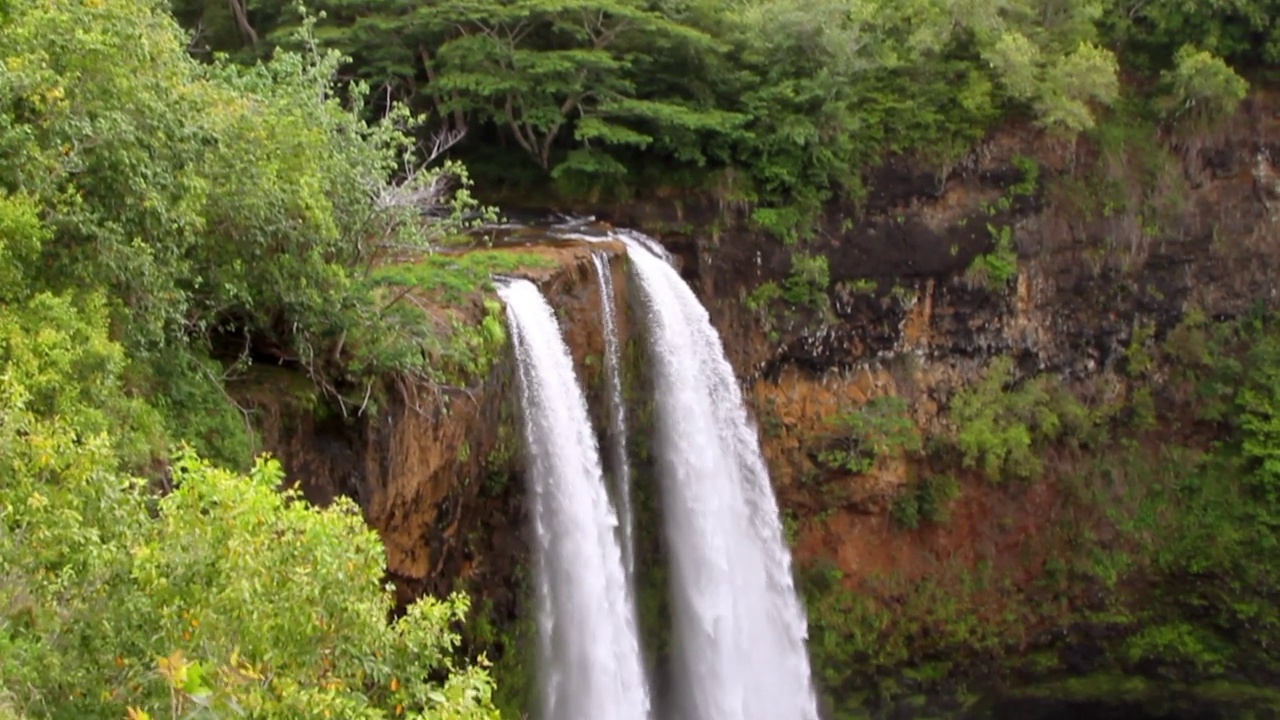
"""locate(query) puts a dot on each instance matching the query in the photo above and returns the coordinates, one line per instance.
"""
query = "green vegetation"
(283, 186)
(454, 278)
(513, 643)
(215, 206)
(1160, 558)
(779, 103)
(803, 289)
(162, 222)
(762, 296)
(436, 323)
(1000, 427)
(223, 595)
(857, 438)
(1200, 90)
(997, 267)
(808, 281)
(927, 500)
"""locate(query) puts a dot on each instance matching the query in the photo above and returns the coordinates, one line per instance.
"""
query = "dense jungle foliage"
(186, 190)
(151, 206)
(778, 102)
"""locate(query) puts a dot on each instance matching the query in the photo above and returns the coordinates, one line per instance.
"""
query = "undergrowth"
(452, 278)
(1156, 554)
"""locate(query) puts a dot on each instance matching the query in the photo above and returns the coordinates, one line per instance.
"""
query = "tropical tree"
(221, 598)
(211, 202)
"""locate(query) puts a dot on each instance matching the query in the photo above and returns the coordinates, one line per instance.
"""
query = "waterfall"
(617, 411)
(590, 665)
(739, 627)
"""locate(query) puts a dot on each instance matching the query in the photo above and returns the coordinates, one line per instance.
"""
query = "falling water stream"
(739, 627)
(617, 436)
(590, 661)
(739, 630)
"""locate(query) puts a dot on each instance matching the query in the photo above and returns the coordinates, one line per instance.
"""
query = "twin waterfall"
(739, 631)
(590, 652)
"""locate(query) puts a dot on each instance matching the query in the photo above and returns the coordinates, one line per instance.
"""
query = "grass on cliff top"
(436, 320)
(452, 278)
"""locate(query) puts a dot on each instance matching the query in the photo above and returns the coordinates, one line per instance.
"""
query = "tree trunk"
(242, 21)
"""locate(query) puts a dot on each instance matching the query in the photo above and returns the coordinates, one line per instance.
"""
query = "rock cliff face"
(1114, 240)
(1114, 243)
(436, 469)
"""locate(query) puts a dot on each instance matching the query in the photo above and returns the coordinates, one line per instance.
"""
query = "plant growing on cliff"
(999, 423)
(925, 500)
(1245, 33)
(1258, 403)
(430, 319)
(997, 267)
(1165, 555)
(806, 285)
(1063, 88)
(788, 223)
(857, 438)
(1200, 90)
(762, 296)
(1139, 363)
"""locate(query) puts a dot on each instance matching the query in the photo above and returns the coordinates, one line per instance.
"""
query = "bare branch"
(197, 34)
(444, 139)
(415, 192)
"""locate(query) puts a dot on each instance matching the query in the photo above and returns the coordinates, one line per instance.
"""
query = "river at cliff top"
(534, 229)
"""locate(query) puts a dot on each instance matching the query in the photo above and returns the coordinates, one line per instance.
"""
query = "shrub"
(856, 438)
(998, 424)
(225, 596)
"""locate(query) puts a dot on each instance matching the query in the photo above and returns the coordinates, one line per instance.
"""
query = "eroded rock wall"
(437, 470)
(1112, 240)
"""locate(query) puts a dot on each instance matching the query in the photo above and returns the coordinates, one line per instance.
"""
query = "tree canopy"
(202, 198)
(151, 203)
(792, 100)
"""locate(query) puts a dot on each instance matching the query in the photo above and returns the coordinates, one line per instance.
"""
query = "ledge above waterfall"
(433, 462)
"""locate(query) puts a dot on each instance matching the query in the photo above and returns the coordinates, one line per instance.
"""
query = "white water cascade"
(739, 627)
(590, 653)
(617, 437)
